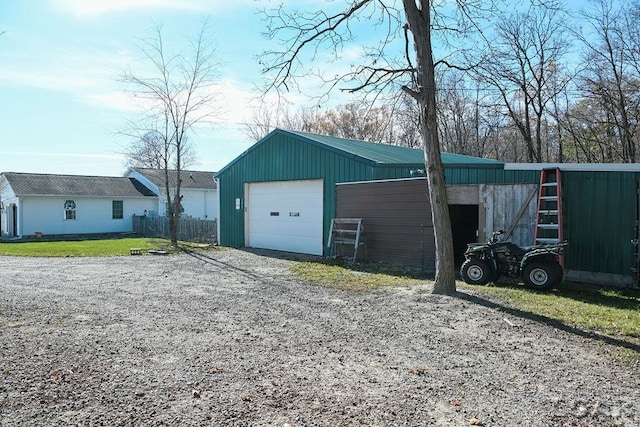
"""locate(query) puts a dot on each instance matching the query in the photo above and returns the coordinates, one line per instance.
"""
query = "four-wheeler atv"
(538, 266)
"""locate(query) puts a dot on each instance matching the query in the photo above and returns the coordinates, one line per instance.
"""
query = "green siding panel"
(395, 172)
(459, 176)
(599, 220)
(283, 157)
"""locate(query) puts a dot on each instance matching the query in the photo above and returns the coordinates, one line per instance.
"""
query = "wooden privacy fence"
(189, 229)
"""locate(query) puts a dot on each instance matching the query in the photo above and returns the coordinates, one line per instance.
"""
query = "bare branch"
(387, 67)
(176, 93)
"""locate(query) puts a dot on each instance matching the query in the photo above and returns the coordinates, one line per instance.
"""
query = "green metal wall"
(599, 207)
(283, 157)
(599, 213)
(493, 175)
(599, 220)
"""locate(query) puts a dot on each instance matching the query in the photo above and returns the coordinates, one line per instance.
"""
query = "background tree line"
(552, 87)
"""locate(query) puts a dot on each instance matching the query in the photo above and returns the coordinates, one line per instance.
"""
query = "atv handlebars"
(494, 236)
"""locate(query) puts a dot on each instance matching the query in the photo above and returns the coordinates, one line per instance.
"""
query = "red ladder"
(549, 218)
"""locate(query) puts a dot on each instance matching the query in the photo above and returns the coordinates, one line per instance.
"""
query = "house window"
(69, 209)
(117, 209)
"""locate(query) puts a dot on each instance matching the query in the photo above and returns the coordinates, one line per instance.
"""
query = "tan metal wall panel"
(397, 220)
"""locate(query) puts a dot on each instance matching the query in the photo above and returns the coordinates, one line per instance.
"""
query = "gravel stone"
(232, 338)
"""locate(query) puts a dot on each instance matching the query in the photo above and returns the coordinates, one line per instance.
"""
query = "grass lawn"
(613, 312)
(106, 247)
(606, 310)
(360, 278)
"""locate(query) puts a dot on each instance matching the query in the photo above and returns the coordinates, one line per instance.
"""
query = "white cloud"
(92, 8)
(236, 101)
(113, 100)
(88, 77)
(239, 103)
(61, 69)
(60, 80)
(65, 155)
(92, 164)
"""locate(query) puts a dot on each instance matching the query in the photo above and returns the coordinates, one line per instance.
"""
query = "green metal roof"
(476, 162)
(390, 154)
(375, 153)
(368, 151)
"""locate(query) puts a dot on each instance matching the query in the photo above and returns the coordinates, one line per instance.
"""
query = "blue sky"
(61, 106)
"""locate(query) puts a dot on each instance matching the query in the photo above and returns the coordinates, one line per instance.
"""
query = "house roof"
(190, 179)
(377, 153)
(33, 184)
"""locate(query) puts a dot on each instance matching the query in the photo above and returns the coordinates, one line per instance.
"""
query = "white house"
(46, 204)
(198, 190)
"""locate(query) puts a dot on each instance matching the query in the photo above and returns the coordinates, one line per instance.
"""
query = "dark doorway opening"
(464, 227)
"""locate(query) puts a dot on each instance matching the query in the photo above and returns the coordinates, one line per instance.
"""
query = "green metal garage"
(280, 193)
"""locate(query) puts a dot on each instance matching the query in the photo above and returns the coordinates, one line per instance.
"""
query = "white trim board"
(586, 167)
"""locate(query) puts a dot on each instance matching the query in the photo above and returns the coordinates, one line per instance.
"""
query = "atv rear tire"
(475, 271)
(542, 275)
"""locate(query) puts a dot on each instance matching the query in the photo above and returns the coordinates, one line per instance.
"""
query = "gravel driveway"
(231, 338)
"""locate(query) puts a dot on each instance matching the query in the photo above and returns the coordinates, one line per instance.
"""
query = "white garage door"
(285, 216)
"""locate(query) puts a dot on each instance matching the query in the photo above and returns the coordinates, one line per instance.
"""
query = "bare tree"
(177, 93)
(604, 123)
(520, 65)
(406, 30)
(264, 120)
(150, 151)
(355, 121)
(460, 114)
(360, 121)
(261, 123)
(424, 92)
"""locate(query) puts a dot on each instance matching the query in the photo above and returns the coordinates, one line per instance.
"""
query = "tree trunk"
(171, 209)
(445, 269)
(419, 19)
(173, 229)
(177, 200)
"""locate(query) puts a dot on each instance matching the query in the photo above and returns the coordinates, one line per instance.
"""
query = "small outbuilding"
(284, 191)
(280, 193)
